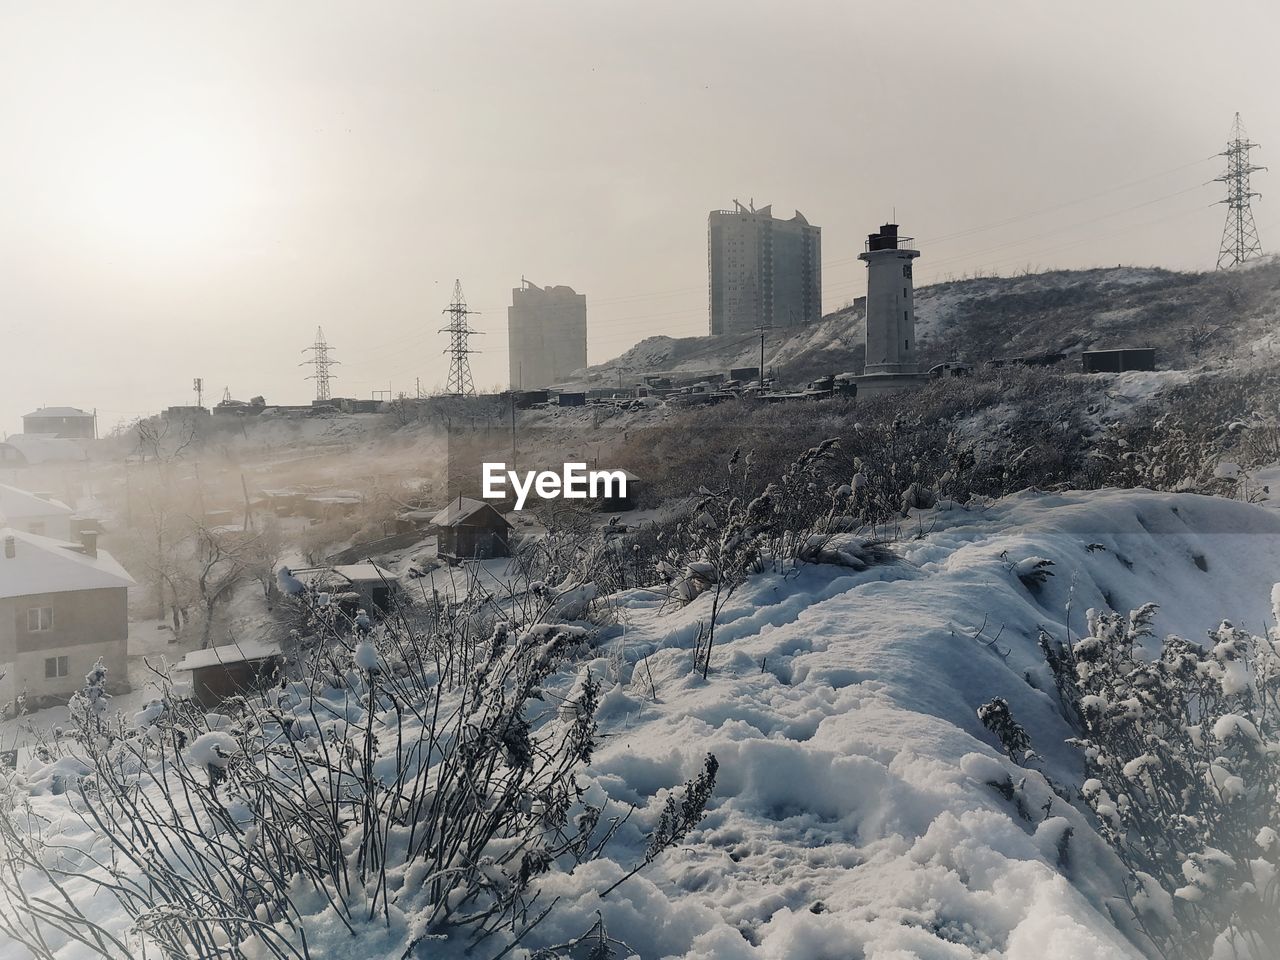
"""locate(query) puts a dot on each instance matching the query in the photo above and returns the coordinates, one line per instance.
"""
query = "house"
(232, 670)
(471, 530)
(282, 502)
(952, 368)
(63, 607)
(36, 513)
(61, 422)
(354, 586)
(374, 585)
(335, 505)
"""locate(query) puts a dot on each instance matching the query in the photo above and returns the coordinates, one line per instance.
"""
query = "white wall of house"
(30, 668)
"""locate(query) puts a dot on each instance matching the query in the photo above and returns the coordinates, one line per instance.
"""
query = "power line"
(939, 277)
(1240, 242)
(459, 383)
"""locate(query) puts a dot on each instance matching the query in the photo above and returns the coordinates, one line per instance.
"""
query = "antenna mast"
(321, 360)
(1240, 242)
(460, 383)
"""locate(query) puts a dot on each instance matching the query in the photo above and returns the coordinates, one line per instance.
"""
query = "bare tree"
(222, 564)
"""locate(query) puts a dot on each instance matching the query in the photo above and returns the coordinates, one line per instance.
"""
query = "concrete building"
(547, 335)
(891, 362)
(63, 606)
(763, 271)
(66, 423)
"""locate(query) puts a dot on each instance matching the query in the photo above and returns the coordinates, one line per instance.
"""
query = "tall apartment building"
(547, 335)
(763, 271)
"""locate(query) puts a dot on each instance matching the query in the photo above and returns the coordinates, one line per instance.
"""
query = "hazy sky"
(189, 189)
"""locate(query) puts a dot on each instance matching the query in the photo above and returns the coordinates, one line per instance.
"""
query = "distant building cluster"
(50, 435)
(764, 272)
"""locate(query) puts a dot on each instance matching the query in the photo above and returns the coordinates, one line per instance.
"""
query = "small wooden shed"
(236, 669)
(376, 586)
(618, 503)
(471, 530)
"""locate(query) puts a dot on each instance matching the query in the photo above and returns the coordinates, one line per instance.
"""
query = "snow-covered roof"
(17, 504)
(240, 652)
(422, 514)
(39, 448)
(461, 509)
(45, 565)
(356, 572)
(57, 412)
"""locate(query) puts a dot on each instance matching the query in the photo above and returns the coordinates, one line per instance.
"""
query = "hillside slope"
(859, 810)
(1187, 317)
(854, 816)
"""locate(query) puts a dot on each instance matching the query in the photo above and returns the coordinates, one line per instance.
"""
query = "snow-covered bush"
(412, 779)
(996, 717)
(1182, 766)
(1176, 440)
(731, 535)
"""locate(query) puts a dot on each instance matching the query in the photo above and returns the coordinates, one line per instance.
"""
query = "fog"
(189, 190)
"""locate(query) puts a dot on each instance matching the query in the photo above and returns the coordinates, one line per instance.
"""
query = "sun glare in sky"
(162, 190)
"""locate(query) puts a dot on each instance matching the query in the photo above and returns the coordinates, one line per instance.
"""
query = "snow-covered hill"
(859, 810)
(1186, 316)
(854, 814)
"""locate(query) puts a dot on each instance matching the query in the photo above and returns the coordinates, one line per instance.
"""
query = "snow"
(363, 572)
(213, 749)
(365, 656)
(862, 809)
(457, 511)
(1230, 726)
(238, 652)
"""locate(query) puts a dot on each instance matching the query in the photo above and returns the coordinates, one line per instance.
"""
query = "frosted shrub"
(996, 717)
(1182, 760)
(731, 535)
(418, 775)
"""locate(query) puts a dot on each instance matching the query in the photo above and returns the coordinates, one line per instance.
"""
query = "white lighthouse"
(891, 317)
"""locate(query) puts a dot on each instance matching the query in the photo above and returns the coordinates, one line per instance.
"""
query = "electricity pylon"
(1240, 241)
(321, 360)
(460, 383)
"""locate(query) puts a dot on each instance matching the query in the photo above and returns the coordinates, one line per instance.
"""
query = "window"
(906, 270)
(56, 667)
(39, 619)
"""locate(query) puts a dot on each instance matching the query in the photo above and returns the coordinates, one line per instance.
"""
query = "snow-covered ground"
(854, 815)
